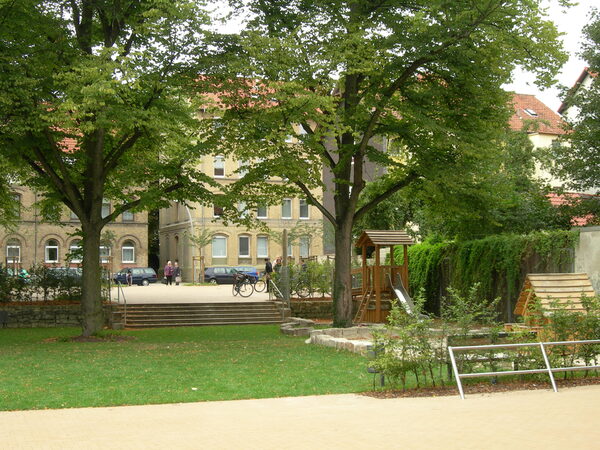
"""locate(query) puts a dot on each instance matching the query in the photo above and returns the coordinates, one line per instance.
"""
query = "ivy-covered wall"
(499, 263)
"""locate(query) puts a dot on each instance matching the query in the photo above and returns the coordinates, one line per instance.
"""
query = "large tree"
(578, 158)
(345, 77)
(506, 197)
(96, 102)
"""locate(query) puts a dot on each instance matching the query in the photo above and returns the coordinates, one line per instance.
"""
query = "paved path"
(160, 293)
(516, 420)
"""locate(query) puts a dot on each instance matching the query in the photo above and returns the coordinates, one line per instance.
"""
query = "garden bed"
(481, 388)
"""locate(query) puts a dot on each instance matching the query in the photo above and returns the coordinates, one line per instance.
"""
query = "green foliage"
(309, 279)
(578, 158)
(97, 102)
(495, 263)
(343, 79)
(405, 346)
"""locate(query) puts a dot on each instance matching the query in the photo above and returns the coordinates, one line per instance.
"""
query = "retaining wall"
(47, 315)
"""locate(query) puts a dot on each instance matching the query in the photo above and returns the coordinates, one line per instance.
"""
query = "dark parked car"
(248, 270)
(219, 275)
(140, 275)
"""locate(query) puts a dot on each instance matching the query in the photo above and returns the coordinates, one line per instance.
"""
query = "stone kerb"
(355, 339)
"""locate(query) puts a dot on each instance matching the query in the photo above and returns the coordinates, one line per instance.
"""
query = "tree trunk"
(92, 314)
(342, 281)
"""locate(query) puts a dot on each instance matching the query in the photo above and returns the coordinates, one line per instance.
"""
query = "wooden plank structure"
(375, 279)
(554, 290)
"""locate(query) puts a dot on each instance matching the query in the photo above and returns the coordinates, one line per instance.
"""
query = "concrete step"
(199, 314)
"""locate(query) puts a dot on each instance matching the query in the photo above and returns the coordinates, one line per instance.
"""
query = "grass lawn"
(168, 365)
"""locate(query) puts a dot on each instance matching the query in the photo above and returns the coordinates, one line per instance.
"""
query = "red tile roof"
(565, 199)
(529, 109)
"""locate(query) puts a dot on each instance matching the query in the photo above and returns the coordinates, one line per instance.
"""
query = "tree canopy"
(97, 102)
(578, 159)
(346, 78)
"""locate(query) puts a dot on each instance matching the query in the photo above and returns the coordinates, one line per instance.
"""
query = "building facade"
(32, 241)
(234, 245)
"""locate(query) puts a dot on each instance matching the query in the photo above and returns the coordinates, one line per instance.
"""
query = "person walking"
(268, 271)
(129, 277)
(177, 273)
(169, 272)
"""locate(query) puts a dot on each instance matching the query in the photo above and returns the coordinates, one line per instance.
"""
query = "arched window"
(219, 246)
(13, 251)
(51, 251)
(75, 251)
(128, 252)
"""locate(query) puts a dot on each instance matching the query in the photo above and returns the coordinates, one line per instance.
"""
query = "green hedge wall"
(499, 263)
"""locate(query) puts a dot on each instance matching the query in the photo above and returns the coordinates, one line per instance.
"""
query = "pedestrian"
(277, 267)
(169, 272)
(268, 271)
(177, 273)
(129, 277)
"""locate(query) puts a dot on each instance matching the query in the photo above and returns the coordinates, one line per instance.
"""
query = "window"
(75, 251)
(242, 168)
(219, 247)
(531, 112)
(51, 251)
(286, 209)
(304, 209)
(219, 166)
(13, 251)
(217, 211)
(241, 206)
(105, 208)
(289, 250)
(304, 246)
(128, 252)
(262, 212)
(17, 205)
(244, 250)
(262, 247)
(104, 254)
(127, 216)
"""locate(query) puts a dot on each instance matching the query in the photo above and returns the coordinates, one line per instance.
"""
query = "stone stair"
(196, 314)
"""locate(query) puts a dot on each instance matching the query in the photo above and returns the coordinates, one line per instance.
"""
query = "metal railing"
(120, 293)
(542, 345)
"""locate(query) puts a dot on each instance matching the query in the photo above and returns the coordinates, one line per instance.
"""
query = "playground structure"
(382, 282)
(553, 290)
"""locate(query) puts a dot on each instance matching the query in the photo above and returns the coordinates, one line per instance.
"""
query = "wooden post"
(405, 268)
(365, 273)
(377, 276)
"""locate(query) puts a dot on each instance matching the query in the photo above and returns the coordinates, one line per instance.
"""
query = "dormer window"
(531, 112)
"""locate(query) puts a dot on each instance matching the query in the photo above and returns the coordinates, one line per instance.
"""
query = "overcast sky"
(571, 23)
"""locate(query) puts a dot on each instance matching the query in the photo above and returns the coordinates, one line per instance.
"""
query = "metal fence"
(542, 345)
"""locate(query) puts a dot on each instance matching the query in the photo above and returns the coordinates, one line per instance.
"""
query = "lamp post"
(191, 220)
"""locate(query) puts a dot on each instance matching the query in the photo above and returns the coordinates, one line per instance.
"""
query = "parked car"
(248, 270)
(142, 276)
(219, 275)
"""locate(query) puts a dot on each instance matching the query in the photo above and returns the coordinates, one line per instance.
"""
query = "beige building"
(35, 242)
(233, 245)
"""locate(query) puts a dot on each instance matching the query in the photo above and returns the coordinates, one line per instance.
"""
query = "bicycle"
(261, 284)
(242, 285)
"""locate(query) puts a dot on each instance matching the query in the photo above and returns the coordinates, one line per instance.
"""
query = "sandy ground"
(516, 420)
(161, 293)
